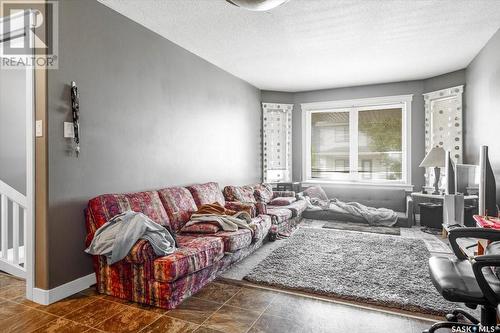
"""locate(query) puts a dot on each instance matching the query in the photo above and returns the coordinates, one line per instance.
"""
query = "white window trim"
(404, 101)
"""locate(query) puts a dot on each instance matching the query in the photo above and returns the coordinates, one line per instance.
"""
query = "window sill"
(311, 182)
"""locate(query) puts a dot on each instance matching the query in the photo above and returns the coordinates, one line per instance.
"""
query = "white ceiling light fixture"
(257, 5)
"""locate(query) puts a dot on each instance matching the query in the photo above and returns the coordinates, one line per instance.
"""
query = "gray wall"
(13, 128)
(152, 115)
(277, 97)
(444, 81)
(13, 137)
(483, 106)
(417, 88)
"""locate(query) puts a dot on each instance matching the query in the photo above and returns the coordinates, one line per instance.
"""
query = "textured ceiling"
(316, 44)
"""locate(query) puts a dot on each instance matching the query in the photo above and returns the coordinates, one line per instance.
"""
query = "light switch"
(69, 130)
(38, 128)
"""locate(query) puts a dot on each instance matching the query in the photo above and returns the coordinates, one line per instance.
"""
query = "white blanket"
(116, 237)
(373, 216)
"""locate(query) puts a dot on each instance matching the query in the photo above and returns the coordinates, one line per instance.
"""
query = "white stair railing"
(12, 256)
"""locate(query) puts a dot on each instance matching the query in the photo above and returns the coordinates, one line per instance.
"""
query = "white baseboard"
(46, 297)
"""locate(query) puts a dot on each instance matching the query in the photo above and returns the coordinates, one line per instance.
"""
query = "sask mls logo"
(473, 329)
(28, 34)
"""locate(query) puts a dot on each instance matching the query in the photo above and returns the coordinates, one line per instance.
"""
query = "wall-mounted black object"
(75, 108)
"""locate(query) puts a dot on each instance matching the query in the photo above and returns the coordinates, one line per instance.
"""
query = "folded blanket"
(116, 237)
(227, 219)
(214, 209)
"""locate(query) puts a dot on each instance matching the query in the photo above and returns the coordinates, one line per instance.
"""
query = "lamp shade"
(435, 158)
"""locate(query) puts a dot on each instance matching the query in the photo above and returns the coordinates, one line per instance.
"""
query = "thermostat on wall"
(69, 130)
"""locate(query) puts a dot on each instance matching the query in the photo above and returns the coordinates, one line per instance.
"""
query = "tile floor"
(219, 307)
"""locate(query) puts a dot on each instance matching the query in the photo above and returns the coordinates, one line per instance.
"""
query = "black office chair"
(469, 280)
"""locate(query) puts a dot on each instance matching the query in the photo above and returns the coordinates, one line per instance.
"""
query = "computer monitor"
(467, 179)
(487, 185)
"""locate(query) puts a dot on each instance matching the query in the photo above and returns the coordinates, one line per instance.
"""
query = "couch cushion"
(207, 193)
(240, 193)
(179, 205)
(250, 208)
(282, 201)
(233, 240)
(193, 254)
(201, 228)
(391, 198)
(263, 192)
(279, 214)
(104, 207)
(297, 207)
(262, 225)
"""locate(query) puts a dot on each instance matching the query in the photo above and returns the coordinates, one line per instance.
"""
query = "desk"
(485, 222)
(419, 197)
(437, 197)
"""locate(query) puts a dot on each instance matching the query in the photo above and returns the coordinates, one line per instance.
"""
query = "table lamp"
(435, 158)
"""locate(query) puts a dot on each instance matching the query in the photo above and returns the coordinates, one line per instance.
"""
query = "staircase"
(13, 217)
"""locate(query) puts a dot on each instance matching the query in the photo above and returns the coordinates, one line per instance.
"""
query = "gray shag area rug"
(384, 270)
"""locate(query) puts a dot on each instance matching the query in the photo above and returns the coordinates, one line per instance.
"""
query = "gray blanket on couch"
(373, 216)
(115, 238)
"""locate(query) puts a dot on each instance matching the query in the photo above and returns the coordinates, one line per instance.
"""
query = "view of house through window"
(357, 144)
(330, 145)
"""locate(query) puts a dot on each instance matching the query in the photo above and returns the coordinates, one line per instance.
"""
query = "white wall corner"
(46, 297)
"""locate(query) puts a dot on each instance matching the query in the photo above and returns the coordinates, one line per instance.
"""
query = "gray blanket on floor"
(373, 216)
(115, 238)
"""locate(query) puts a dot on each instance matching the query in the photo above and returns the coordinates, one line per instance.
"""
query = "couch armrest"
(248, 207)
(261, 208)
(141, 252)
(409, 210)
(277, 194)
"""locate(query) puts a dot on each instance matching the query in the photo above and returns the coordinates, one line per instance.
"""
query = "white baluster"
(15, 232)
(25, 217)
(4, 222)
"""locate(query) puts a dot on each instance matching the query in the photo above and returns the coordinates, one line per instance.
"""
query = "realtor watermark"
(467, 328)
(29, 34)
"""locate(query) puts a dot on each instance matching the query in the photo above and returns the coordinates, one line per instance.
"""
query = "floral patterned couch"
(166, 281)
(265, 201)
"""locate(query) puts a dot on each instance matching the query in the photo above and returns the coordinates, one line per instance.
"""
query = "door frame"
(21, 25)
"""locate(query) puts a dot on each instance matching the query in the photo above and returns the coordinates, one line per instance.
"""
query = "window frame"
(353, 107)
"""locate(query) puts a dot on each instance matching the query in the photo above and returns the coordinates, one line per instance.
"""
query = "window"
(366, 169)
(276, 142)
(362, 141)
